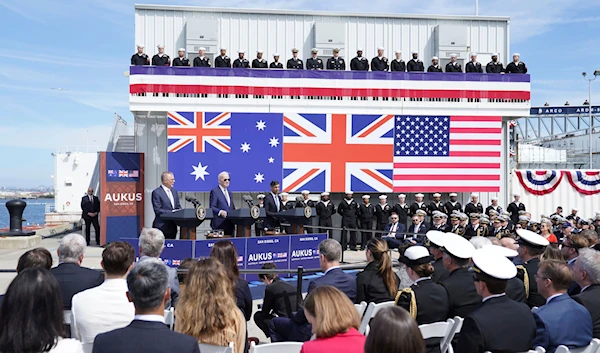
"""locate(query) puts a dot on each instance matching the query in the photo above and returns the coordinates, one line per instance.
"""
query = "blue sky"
(83, 47)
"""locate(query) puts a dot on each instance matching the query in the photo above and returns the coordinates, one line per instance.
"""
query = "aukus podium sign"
(285, 251)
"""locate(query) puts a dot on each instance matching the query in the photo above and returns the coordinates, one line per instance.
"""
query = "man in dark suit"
(221, 203)
(571, 246)
(586, 272)
(394, 233)
(297, 327)
(479, 332)
(71, 277)
(273, 205)
(418, 228)
(165, 200)
(280, 299)
(90, 207)
(562, 321)
(149, 292)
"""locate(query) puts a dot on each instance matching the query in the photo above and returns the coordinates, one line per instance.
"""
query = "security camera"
(583, 74)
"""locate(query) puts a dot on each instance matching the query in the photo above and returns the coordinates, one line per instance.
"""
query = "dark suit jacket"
(439, 271)
(462, 293)
(87, 206)
(280, 298)
(480, 332)
(270, 209)
(217, 203)
(73, 279)
(162, 204)
(515, 290)
(243, 297)
(562, 321)
(423, 228)
(370, 286)
(590, 298)
(400, 229)
(144, 336)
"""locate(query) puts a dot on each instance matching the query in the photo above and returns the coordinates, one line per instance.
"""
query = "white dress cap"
(419, 195)
(453, 55)
(435, 58)
(366, 197)
(495, 54)
(349, 192)
(473, 54)
(401, 195)
(359, 49)
(276, 54)
(202, 48)
(223, 48)
(493, 264)
(517, 54)
(160, 46)
(284, 194)
(458, 246)
(506, 252)
(383, 197)
(415, 52)
(259, 51)
(416, 255)
(181, 49)
(436, 237)
(380, 48)
(398, 51)
(140, 46)
(305, 192)
(515, 195)
(421, 212)
(260, 196)
(474, 195)
(453, 194)
(241, 52)
(437, 194)
(532, 238)
(324, 194)
(494, 199)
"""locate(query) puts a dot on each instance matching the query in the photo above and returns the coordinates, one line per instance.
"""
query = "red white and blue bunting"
(586, 182)
(539, 182)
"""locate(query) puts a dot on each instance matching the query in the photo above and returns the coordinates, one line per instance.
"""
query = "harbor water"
(33, 214)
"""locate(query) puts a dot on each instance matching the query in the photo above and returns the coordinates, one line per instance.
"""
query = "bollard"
(15, 210)
(299, 287)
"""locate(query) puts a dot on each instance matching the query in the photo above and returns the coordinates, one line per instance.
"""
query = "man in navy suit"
(90, 207)
(165, 200)
(297, 327)
(586, 272)
(394, 232)
(148, 284)
(418, 228)
(221, 202)
(273, 204)
(562, 321)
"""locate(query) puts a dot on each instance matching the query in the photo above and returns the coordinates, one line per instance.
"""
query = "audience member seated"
(586, 272)
(570, 248)
(186, 264)
(152, 244)
(562, 320)
(480, 242)
(149, 291)
(334, 321)
(71, 277)
(207, 310)
(552, 253)
(297, 328)
(225, 252)
(393, 330)
(31, 316)
(479, 332)
(434, 242)
(394, 232)
(38, 257)
(280, 299)
(105, 308)
(377, 282)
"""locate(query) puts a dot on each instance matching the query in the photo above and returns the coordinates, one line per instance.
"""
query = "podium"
(244, 218)
(188, 219)
(298, 218)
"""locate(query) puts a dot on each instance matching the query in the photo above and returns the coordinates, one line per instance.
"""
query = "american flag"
(337, 152)
(134, 173)
(447, 153)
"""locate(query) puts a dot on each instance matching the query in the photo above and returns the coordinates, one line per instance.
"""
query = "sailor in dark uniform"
(201, 60)
(314, 63)
(276, 64)
(259, 62)
(181, 60)
(398, 65)
(515, 207)
(359, 63)
(325, 210)
(474, 65)
(497, 230)
(336, 62)
(494, 206)
(140, 58)
(436, 205)
(474, 206)
(241, 62)
(453, 65)
(494, 66)
(484, 226)
(306, 201)
(161, 59)
(402, 209)
(382, 212)
(515, 289)
(418, 204)
(479, 332)
(435, 242)
(295, 63)
(473, 226)
(459, 284)
(415, 65)
(223, 60)
(366, 213)
(456, 228)
(531, 246)
(348, 209)
(517, 66)
(380, 62)
(435, 65)
(259, 225)
(438, 221)
(285, 203)
(453, 204)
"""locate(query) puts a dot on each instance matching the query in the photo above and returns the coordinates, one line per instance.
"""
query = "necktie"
(91, 200)
(276, 201)
(227, 197)
(392, 230)
(170, 195)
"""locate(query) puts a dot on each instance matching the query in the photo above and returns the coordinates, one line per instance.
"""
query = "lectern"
(298, 218)
(244, 218)
(188, 219)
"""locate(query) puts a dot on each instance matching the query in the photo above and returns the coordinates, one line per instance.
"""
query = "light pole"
(589, 80)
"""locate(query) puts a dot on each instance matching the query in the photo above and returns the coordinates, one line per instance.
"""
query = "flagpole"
(476, 7)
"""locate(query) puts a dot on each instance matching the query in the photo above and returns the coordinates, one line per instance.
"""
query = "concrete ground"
(93, 256)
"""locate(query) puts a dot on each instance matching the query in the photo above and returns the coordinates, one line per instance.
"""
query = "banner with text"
(174, 252)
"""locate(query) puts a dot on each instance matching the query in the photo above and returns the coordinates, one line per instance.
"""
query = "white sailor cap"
(398, 51)
(223, 48)
(419, 195)
(421, 213)
(529, 238)
(276, 54)
(474, 195)
(359, 49)
(473, 54)
(325, 194)
(453, 194)
(349, 192)
(574, 209)
(506, 252)
(435, 58)
(415, 52)
(314, 50)
(416, 255)
(437, 194)
(305, 192)
(202, 49)
(458, 246)
(284, 194)
(383, 197)
(181, 49)
(401, 195)
(366, 196)
(495, 54)
(516, 54)
(516, 195)
(260, 196)
(380, 48)
(453, 55)
(436, 238)
(160, 46)
(241, 52)
(493, 264)
(494, 199)
(140, 46)
(259, 51)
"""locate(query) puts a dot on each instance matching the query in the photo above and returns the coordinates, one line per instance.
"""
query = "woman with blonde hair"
(207, 309)
(377, 282)
(546, 231)
(334, 322)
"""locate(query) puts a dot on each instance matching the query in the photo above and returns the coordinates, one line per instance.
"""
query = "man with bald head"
(90, 207)
(221, 203)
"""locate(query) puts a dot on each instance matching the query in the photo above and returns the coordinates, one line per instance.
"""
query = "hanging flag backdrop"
(542, 182)
(586, 182)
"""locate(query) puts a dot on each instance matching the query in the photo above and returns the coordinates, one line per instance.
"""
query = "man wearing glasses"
(570, 252)
(394, 232)
(221, 203)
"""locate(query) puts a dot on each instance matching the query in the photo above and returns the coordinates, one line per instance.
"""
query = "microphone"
(248, 200)
(193, 200)
(299, 199)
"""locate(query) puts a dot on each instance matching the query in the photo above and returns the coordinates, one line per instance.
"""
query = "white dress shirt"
(554, 296)
(393, 230)
(153, 318)
(101, 309)
(169, 195)
(493, 296)
(226, 195)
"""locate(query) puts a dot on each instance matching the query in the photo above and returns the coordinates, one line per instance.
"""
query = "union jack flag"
(338, 152)
(123, 173)
(198, 129)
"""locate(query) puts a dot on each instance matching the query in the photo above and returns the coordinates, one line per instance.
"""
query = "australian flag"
(247, 145)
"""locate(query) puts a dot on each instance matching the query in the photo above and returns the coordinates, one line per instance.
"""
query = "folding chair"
(441, 330)
(170, 318)
(372, 310)
(281, 347)
(209, 348)
(590, 348)
(361, 308)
